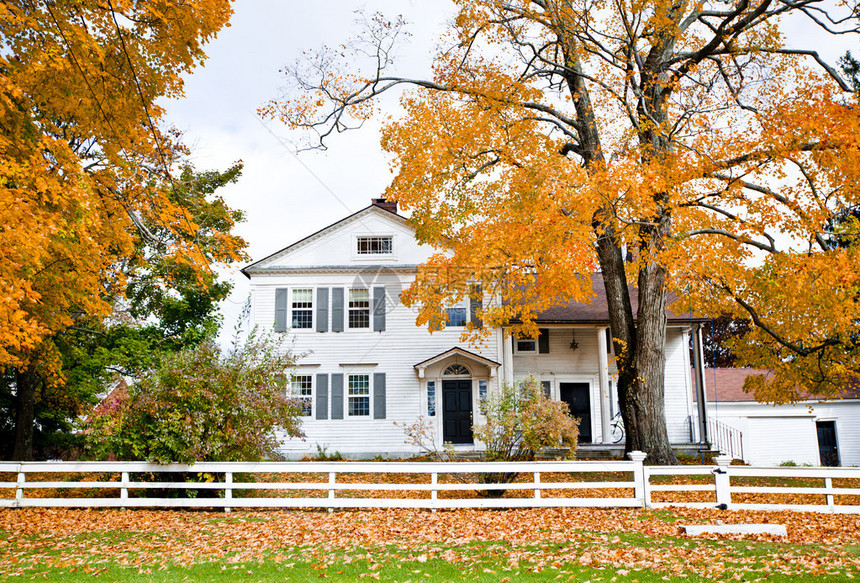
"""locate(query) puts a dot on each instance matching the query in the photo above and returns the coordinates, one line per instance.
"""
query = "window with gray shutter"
(379, 309)
(281, 310)
(322, 396)
(379, 395)
(337, 309)
(337, 396)
(322, 309)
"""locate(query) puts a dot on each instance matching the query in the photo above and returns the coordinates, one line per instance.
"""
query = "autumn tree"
(553, 136)
(85, 173)
(719, 336)
(166, 307)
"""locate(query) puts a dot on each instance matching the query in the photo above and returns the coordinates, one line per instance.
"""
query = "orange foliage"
(692, 135)
(82, 159)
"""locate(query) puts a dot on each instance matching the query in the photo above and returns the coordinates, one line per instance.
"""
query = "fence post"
(123, 487)
(639, 479)
(828, 484)
(228, 489)
(19, 487)
(434, 480)
(721, 481)
(537, 484)
(331, 476)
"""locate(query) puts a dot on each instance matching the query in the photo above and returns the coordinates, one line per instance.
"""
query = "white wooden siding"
(394, 352)
(337, 246)
(678, 392)
(773, 435)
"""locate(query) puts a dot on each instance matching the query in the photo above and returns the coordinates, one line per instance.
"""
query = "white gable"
(337, 245)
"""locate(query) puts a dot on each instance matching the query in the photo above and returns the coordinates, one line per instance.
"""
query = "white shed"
(811, 432)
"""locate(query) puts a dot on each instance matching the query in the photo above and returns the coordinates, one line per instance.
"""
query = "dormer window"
(373, 245)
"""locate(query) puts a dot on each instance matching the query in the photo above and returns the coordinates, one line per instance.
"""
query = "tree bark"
(26, 383)
(645, 403)
(640, 348)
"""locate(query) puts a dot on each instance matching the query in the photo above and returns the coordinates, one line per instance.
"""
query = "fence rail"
(427, 485)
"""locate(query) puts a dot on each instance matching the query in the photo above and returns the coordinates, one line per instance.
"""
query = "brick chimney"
(389, 205)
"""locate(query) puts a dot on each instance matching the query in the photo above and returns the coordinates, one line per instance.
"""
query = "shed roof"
(726, 385)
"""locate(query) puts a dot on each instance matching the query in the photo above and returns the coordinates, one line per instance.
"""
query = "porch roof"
(457, 351)
(597, 312)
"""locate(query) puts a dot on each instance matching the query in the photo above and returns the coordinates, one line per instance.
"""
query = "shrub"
(198, 405)
(520, 422)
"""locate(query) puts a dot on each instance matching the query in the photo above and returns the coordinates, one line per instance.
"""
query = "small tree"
(522, 421)
(198, 405)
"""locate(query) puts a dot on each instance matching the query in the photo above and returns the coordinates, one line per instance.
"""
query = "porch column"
(605, 398)
(508, 360)
(699, 369)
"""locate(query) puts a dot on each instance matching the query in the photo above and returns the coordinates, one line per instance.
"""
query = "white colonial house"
(368, 365)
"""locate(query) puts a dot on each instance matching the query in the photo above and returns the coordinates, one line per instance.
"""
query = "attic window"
(375, 245)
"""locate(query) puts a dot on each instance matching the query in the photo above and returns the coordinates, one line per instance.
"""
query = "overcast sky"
(286, 197)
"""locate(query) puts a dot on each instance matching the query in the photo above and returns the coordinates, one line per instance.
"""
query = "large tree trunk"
(640, 347)
(644, 405)
(26, 383)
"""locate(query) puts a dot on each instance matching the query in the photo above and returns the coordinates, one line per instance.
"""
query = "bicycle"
(616, 428)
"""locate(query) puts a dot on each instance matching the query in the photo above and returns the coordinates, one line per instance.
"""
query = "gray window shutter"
(337, 396)
(543, 341)
(337, 294)
(378, 309)
(379, 395)
(547, 388)
(322, 309)
(281, 310)
(322, 396)
(475, 304)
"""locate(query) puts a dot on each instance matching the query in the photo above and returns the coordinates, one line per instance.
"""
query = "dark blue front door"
(457, 411)
(576, 395)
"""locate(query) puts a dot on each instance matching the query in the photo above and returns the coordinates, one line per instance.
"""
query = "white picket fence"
(337, 485)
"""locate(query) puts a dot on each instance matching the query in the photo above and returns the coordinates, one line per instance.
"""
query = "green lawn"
(534, 545)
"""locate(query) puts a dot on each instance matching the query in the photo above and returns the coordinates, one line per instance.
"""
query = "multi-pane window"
(303, 388)
(375, 245)
(455, 369)
(526, 345)
(302, 308)
(456, 317)
(358, 395)
(359, 308)
(547, 388)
